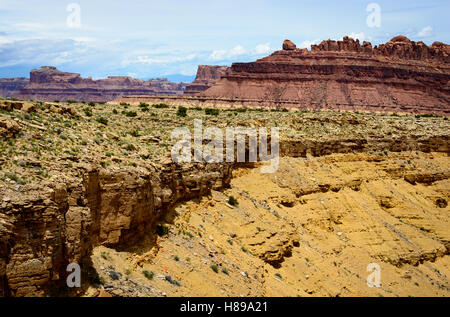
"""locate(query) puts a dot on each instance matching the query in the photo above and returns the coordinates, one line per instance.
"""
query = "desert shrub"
(134, 133)
(160, 106)
(182, 111)
(71, 101)
(130, 114)
(105, 255)
(115, 111)
(88, 112)
(148, 275)
(14, 178)
(215, 268)
(130, 147)
(212, 112)
(241, 110)
(233, 201)
(91, 104)
(426, 115)
(162, 230)
(102, 120)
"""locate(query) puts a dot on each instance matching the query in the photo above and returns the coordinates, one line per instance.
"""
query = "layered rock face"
(10, 87)
(399, 76)
(207, 76)
(60, 222)
(49, 84)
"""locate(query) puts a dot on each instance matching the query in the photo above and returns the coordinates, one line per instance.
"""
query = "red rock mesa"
(207, 76)
(401, 75)
(49, 84)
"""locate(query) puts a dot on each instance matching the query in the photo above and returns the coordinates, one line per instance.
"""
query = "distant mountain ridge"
(50, 84)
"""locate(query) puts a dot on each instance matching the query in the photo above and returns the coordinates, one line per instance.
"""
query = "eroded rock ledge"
(59, 222)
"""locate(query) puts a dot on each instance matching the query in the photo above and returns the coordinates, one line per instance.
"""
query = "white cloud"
(228, 54)
(307, 44)
(151, 60)
(425, 32)
(360, 36)
(4, 40)
(263, 48)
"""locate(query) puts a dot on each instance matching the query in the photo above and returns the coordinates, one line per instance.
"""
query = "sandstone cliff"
(207, 76)
(10, 87)
(50, 84)
(399, 76)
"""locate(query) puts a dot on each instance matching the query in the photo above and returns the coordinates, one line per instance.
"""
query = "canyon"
(363, 179)
(352, 189)
(50, 84)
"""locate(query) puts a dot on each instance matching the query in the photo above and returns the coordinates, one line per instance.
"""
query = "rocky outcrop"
(399, 76)
(60, 221)
(10, 87)
(289, 45)
(50, 84)
(207, 76)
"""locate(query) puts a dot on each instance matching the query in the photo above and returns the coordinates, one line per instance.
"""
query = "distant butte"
(207, 76)
(49, 84)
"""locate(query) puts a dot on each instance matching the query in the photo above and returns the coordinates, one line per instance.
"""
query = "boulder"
(289, 46)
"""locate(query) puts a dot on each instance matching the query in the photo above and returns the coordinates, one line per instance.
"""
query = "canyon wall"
(60, 221)
(399, 76)
(207, 76)
(11, 87)
(50, 84)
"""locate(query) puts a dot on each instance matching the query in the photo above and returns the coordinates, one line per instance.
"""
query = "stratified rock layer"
(10, 87)
(399, 76)
(50, 84)
(207, 76)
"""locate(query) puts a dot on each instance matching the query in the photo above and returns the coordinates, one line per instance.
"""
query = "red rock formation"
(289, 46)
(401, 75)
(49, 84)
(10, 87)
(207, 76)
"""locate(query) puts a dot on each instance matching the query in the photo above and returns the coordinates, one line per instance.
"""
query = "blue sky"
(146, 38)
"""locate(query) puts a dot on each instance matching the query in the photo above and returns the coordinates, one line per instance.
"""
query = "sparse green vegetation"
(162, 230)
(160, 106)
(148, 275)
(212, 112)
(233, 201)
(215, 268)
(87, 112)
(102, 120)
(182, 111)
